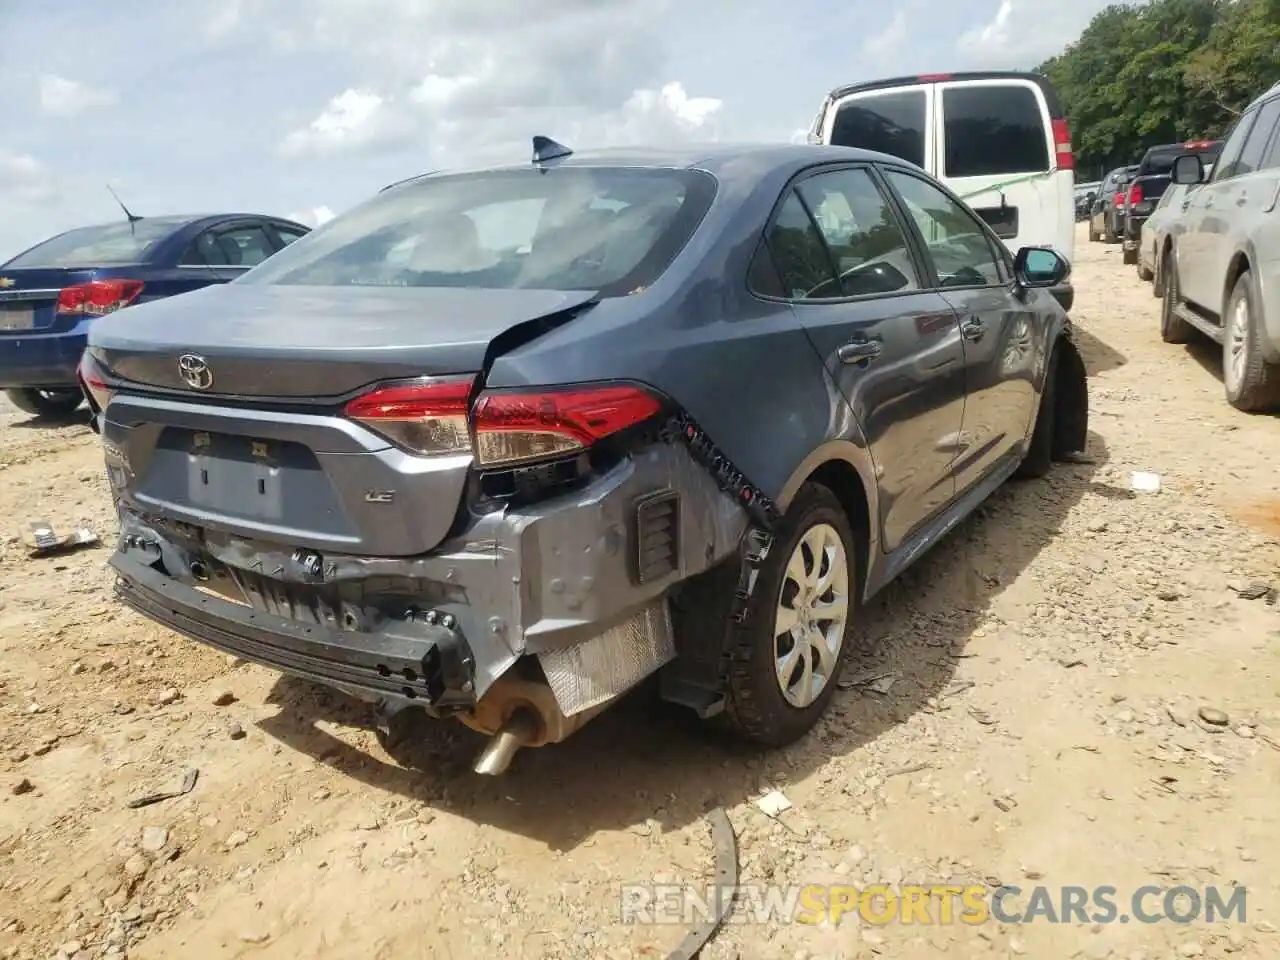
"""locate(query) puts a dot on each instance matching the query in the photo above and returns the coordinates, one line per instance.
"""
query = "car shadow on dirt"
(77, 418)
(643, 760)
(1098, 356)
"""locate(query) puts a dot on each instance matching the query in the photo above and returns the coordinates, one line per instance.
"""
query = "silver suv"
(1221, 261)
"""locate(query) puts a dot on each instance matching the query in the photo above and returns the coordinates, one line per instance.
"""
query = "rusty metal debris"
(42, 540)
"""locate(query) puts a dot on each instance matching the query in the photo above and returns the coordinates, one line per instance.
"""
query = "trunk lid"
(314, 344)
(265, 451)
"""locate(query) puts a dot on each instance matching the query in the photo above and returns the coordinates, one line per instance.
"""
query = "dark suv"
(1107, 216)
(1154, 174)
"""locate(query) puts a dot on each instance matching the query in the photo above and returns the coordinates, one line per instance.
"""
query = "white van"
(998, 140)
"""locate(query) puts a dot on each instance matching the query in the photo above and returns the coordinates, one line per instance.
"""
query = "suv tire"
(51, 404)
(1093, 233)
(1039, 459)
(1173, 329)
(815, 557)
(1129, 256)
(1252, 385)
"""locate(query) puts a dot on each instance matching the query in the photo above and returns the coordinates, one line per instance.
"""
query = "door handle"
(860, 351)
(973, 329)
(1185, 205)
(1242, 199)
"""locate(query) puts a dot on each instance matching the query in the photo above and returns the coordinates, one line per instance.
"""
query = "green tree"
(1160, 72)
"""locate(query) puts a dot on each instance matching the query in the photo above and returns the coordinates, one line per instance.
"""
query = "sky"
(303, 108)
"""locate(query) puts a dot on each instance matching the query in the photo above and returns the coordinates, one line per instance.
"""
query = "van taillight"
(435, 417)
(1064, 158)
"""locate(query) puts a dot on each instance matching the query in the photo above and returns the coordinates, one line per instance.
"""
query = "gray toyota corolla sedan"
(500, 444)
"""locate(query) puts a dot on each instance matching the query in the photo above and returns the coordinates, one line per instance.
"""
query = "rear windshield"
(96, 246)
(1158, 161)
(608, 229)
(891, 123)
(993, 130)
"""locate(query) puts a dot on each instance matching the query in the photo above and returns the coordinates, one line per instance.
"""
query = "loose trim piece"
(763, 511)
(726, 883)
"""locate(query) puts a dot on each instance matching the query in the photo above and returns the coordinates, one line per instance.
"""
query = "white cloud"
(314, 217)
(23, 179)
(353, 120)
(61, 97)
(885, 44)
(991, 37)
(1021, 35)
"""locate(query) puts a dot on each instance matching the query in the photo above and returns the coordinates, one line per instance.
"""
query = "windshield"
(608, 229)
(96, 246)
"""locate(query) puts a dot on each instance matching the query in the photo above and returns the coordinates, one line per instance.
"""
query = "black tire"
(54, 404)
(1145, 275)
(1093, 233)
(1129, 256)
(1258, 387)
(756, 709)
(1157, 277)
(1173, 329)
(1039, 459)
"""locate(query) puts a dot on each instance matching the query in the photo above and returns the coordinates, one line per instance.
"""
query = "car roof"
(1046, 88)
(177, 221)
(724, 160)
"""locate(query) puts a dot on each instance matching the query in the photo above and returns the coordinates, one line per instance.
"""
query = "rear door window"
(803, 263)
(862, 234)
(892, 123)
(993, 130)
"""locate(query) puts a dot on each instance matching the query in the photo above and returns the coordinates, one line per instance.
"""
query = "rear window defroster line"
(761, 509)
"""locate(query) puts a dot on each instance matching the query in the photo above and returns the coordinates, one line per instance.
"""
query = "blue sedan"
(51, 293)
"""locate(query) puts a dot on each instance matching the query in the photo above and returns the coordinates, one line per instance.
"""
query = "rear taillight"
(1063, 156)
(1135, 194)
(1118, 199)
(98, 297)
(435, 417)
(427, 417)
(514, 427)
(94, 383)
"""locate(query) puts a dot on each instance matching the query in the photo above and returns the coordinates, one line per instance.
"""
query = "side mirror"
(1188, 169)
(1040, 267)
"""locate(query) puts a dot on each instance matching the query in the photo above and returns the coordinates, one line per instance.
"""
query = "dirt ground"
(1039, 724)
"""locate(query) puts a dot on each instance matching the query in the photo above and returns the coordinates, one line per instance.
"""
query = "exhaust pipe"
(517, 732)
(199, 571)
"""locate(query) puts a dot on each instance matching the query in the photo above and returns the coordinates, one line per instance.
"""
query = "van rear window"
(993, 130)
(891, 123)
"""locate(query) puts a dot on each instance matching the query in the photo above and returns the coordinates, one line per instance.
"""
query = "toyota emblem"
(195, 371)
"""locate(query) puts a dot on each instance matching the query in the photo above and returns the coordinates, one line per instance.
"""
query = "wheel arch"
(1071, 398)
(1241, 263)
(848, 472)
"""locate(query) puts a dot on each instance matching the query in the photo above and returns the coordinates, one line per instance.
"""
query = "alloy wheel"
(812, 614)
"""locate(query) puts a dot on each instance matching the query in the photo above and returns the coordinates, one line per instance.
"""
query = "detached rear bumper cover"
(518, 581)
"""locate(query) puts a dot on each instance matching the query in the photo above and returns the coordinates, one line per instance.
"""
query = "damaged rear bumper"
(573, 583)
(434, 666)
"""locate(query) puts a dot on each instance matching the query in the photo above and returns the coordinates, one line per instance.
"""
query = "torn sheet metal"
(42, 540)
